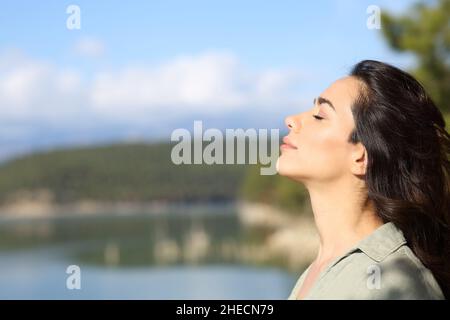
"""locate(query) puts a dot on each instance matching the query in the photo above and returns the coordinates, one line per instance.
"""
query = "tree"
(425, 32)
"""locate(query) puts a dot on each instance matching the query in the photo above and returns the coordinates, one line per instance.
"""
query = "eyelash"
(318, 117)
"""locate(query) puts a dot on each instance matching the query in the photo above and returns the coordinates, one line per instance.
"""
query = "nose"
(292, 122)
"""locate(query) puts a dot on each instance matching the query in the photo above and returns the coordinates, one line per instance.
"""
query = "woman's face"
(317, 147)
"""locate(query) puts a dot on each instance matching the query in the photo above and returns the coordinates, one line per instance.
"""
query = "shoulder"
(398, 275)
(381, 266)
(406, 276)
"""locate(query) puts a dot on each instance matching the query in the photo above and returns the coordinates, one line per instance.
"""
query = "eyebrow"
(321, 100)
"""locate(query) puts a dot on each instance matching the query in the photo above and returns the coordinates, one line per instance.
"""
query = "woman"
(373, 154)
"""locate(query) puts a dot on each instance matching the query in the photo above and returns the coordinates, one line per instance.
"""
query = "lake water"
(179, 255)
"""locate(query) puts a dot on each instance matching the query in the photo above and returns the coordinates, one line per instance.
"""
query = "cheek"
(321, 146)
(325, 152)
(320, 155)
(326, 147)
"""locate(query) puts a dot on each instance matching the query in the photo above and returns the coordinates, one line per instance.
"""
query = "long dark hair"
(408, 167)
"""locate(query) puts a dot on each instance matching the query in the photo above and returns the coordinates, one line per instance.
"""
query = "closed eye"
(317, 117)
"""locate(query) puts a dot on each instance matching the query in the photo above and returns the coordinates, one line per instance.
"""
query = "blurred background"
(90, 92)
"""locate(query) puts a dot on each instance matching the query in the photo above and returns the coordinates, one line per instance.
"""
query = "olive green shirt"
(381, 266)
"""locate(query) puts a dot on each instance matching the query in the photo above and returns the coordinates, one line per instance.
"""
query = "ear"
(358, 159)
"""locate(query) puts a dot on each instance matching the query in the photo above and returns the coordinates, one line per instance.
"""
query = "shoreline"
(292, 238)
(44, 209)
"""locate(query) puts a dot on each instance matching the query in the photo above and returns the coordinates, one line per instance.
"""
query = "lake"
(184, 254)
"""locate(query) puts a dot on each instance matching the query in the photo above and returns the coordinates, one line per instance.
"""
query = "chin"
(289, 170)
(283, 168)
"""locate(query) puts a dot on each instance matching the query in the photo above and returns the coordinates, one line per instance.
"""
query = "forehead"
(342, 93)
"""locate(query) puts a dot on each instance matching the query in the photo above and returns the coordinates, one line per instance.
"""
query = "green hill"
(140, 173)
(121, 172)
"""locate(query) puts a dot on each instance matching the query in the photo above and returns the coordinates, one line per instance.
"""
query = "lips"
(288, 144)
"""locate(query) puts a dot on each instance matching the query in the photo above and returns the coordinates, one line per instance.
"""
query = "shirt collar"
(382, 242)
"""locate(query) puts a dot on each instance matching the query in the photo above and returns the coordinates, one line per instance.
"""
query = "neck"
(342, 218)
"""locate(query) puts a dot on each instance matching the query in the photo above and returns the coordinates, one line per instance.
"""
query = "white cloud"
(212, 82)
(89, 47)
(40, 100)
(31, 89)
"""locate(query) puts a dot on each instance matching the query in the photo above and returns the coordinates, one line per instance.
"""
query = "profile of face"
(317, 148)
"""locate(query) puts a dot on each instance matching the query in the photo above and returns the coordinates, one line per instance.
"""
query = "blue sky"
(140, 69)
